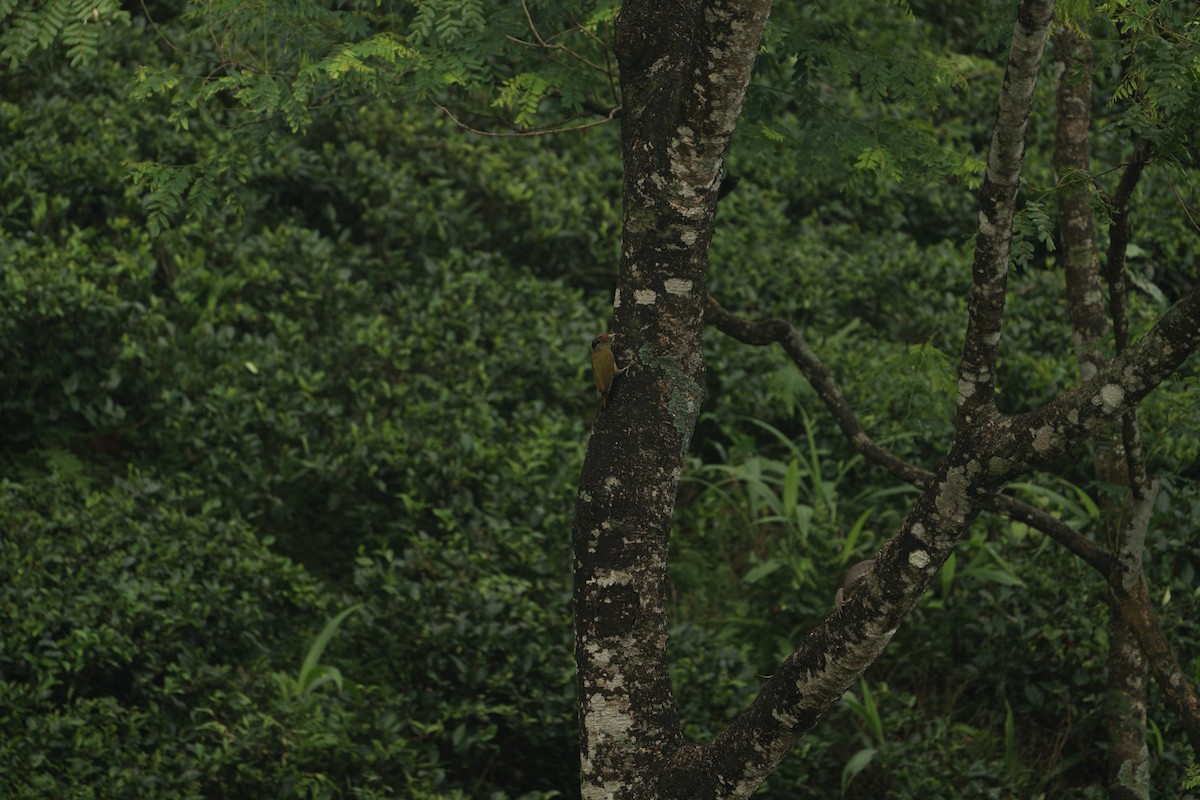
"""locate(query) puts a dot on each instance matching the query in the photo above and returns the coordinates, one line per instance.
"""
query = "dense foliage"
(290, 373)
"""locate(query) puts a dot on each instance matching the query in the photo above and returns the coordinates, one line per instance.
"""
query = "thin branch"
(1120, 233)
(612, 114)
(170, 43)
(545, 45)
(1128, 585)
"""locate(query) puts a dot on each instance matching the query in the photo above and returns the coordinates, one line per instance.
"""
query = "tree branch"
(1041, 435)
(997, 206)
(1131, 597)
(1119, 234)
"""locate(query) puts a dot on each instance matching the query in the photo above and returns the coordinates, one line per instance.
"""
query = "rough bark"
(1128, 755)
(1076, 223)
(1134, 600)
(997, 204)
(684, 68)
(1127, 584)
(989, 451)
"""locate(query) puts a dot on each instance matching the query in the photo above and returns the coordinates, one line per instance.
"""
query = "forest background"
(267, 363)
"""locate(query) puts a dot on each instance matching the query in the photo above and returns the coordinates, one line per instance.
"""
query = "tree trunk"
(684, 68)
(1128, 754)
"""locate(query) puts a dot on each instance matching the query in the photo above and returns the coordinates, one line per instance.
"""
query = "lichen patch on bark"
(681, 286)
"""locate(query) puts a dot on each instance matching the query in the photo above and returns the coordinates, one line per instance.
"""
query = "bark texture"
(1128, 755)
(684, 68)
(997, 204)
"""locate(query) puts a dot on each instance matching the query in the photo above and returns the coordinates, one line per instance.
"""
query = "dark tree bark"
(1119, 458)
(1128, 755)
(684, 68)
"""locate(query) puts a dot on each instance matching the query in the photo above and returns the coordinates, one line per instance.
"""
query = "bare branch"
(546, 45)
(612, 114)
(1041, 435)
(1131, 597)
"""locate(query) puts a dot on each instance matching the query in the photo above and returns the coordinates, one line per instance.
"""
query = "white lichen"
(645, 297)
(1044, 439)
(616, 577)
(952, 504)
(1111, 396)
(986, 228)
(680, 286)
(606, 718)
(918, 559)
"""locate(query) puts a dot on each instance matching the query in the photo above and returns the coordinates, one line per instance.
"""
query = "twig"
(541, 132)
(551, 45)
(170, 43)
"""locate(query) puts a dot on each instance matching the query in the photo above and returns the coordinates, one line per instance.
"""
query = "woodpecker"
(604, 364)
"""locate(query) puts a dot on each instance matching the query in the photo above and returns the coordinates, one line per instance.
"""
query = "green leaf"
(762, 570)
(857, 763)
(312, 674)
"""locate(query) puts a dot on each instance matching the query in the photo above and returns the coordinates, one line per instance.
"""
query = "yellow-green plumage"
(604, 365)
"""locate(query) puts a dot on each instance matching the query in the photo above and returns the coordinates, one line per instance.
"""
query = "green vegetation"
(294, 395)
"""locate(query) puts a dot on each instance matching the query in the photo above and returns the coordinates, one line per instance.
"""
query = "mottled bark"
(1076, 223)
(1130, 595)
(684, 68)
(1135, 604)
(1133, 598)
(988, 453)
(1128, 755)
(980, 462)
(997, 206)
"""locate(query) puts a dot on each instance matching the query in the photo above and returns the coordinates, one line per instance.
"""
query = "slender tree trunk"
(1128, 754)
